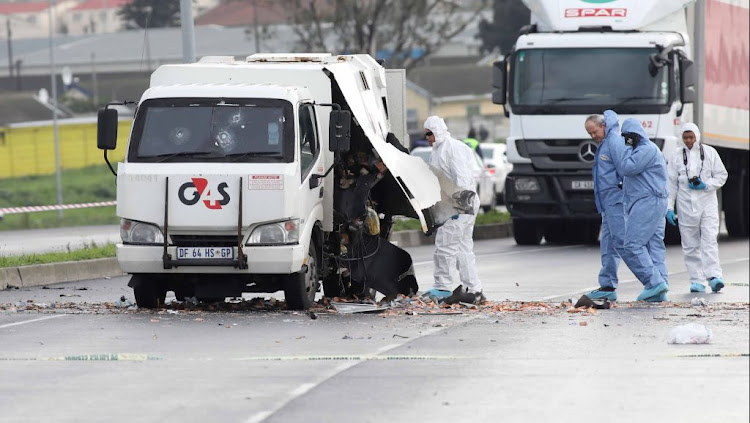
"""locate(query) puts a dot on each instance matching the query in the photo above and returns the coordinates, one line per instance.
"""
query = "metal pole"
(700, 59)
(93, 80)
(255, 26)
(53, 78)
(188, 32)
(10, 49)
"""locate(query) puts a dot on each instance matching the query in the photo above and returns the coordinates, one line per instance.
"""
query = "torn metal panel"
(351, 308)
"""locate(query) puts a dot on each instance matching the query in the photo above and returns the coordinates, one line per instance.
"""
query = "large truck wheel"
(554, 233)
(300, 287)
(149, 292)
(527, 232)
(672, 234)
(735, 204)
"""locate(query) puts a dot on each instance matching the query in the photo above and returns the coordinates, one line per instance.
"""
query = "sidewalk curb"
(50, 273)
(69, 271)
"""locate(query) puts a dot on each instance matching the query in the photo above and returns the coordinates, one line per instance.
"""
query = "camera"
(694, 181)
(631, 138)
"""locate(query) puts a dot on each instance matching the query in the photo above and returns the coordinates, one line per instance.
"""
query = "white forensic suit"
(454, 242)
(697, 210)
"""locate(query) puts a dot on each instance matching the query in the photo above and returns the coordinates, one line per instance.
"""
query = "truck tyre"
(736, 213)
(527, 232)
(554, 233)
(300, 288)
(149, 293)
(672, 234)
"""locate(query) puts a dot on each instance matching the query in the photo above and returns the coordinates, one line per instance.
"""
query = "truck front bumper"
(558, 196)
(282, 259)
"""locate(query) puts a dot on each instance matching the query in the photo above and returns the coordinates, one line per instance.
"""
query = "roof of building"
(27, 7)
(453, 80)
(239, 13)
(100, 4)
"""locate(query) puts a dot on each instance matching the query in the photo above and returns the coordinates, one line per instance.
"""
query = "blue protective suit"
(609, 200)
(645, 188)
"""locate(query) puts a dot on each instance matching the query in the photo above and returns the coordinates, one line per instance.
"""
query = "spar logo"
(614, 12)
(197, 190)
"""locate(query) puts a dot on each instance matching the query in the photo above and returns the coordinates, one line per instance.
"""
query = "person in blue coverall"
(608, 197)
(644, 173)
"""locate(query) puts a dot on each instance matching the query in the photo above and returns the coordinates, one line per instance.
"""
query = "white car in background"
(482, 177)
(498, 166)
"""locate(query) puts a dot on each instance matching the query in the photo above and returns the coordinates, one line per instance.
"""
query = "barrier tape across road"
(28, 209)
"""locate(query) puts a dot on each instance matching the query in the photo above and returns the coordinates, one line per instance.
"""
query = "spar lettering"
(596, 13)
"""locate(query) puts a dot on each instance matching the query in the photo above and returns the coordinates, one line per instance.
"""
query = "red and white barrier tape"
(27, 209)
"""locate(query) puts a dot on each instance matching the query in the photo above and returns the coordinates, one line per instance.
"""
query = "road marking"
(7, 325)
(308, 386)
(510, 253)
(633, 280)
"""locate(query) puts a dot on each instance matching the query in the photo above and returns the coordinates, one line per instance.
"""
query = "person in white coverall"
(695, 173)
(453, 241)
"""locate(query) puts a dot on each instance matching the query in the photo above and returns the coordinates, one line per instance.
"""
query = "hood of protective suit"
(610, 123)
(438, 127)
(634, 125)
(692, 128)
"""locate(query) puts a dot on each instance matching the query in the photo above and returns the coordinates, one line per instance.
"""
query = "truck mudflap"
(426, 193)
(240, 262)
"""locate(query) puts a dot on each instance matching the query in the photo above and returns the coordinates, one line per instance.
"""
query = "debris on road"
(349, 308)
(691, 333)
(699, 302)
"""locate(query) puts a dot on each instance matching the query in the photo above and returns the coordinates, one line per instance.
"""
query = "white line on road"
(510, 253)
(306, 387)
(581, 291)
(7, 325)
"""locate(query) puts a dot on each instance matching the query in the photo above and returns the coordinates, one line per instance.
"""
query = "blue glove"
(454, 217)
(697, 184)
(672, 218)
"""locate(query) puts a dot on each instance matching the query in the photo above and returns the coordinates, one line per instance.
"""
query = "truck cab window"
(308, 138)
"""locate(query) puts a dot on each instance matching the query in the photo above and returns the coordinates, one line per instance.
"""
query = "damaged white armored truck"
(274, 173)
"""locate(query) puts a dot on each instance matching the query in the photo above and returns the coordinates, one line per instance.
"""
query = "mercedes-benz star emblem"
(587, 151)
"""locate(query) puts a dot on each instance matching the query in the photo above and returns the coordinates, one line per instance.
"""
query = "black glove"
(631, 138)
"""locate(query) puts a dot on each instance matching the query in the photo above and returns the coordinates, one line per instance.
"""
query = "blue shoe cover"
(697, 287)
(653, 291)
(598, 294)
(657, 298)
(716, 284)
(436, 294)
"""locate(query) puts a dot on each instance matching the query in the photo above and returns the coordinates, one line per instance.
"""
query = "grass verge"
(89, 253)
(488, 218)
(89, 184)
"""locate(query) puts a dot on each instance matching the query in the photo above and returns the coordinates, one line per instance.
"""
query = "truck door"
(310, 158)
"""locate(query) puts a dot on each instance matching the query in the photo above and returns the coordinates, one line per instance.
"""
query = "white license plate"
(583, 184)
(199, 253)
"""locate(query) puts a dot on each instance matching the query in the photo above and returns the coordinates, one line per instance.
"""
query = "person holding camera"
(644, 173)
(696, 172)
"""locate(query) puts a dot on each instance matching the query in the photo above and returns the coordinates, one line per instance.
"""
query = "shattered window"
(308, 138)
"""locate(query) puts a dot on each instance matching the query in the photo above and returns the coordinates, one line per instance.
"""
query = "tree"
(507, 19)
(404, 32)
(150, 13)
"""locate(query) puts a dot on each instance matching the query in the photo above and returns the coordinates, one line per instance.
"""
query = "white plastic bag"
(691, 333)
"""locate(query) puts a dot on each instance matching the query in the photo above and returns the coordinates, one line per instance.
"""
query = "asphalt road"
(84, 362)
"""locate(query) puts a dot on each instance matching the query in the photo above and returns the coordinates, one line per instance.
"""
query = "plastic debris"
(349, 308)
(691, 333)
(699, 302)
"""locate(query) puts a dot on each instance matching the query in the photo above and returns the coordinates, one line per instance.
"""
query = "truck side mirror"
(339, 131)
(106, 129)
(499, 76)
(687, 81)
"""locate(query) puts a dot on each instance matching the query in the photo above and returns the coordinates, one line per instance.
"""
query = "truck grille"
(561, 154)
(204, 240)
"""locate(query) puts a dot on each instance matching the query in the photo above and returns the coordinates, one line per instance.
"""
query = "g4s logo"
(199, 187)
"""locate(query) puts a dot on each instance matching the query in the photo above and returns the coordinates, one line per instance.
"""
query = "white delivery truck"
(580, 57)
(276, 172)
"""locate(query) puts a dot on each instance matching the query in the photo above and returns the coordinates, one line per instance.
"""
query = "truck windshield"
(574, 79)
(217, 130)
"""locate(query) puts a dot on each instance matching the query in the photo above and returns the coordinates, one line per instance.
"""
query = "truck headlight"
(286, 232)
(526, 184)
(133, 232)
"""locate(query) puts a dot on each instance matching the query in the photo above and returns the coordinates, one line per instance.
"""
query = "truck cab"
(274, 173)
(571, 62)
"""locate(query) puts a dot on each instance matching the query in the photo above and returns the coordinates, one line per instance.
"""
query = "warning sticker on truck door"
(265, 182)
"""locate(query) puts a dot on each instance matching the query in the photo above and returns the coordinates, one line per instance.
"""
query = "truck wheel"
(332, 286)
(554, 233)
(149, 293)
(736, 213)
(527, 232)
(300, 287)
(672, 235)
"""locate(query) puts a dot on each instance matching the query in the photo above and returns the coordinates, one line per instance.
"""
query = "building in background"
(19, 20)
